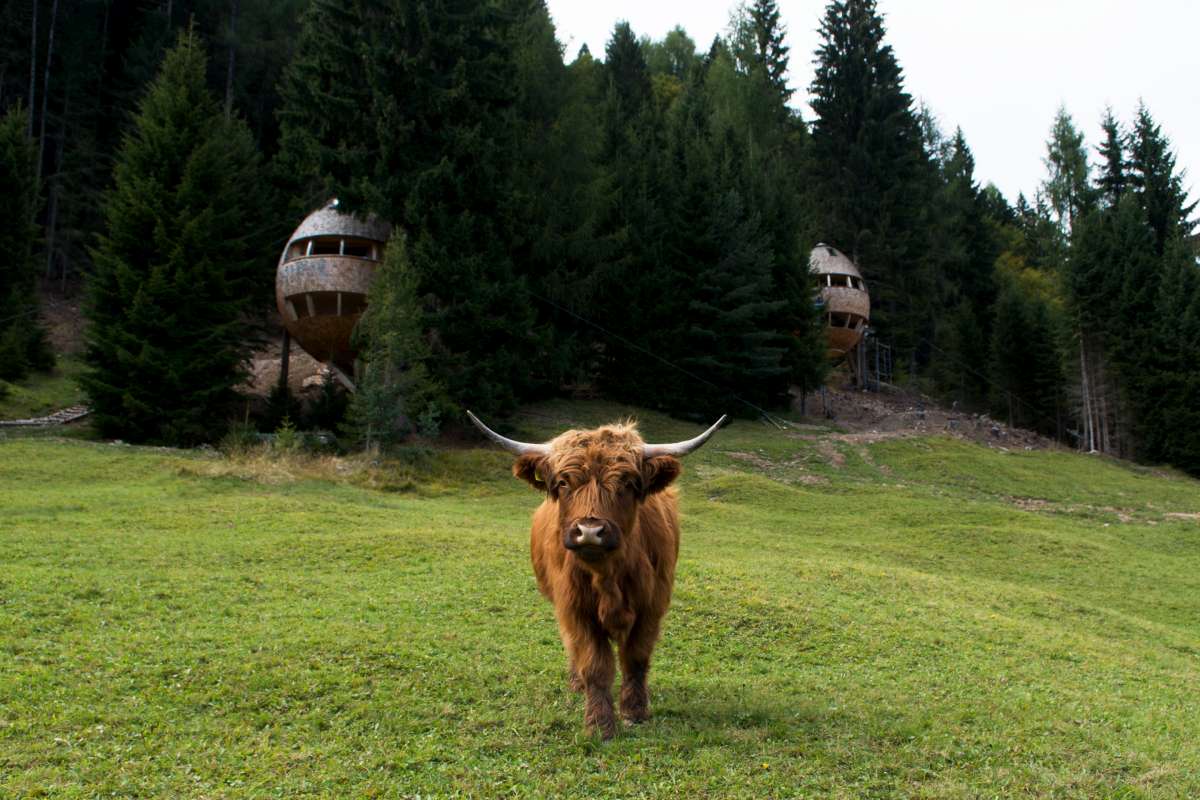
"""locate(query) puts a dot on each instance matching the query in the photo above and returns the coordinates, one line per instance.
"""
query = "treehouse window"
(359, 248)
(326, 247)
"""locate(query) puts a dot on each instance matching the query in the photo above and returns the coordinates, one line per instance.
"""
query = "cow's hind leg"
(592, 656)
(635, 664)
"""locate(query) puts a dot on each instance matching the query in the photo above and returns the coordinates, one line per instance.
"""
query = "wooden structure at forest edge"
(322, 281)
(844, 299)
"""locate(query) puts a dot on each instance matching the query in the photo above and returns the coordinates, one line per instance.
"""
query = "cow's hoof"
(635, 716)
(605, 729)
(635, 710)
(600, 721)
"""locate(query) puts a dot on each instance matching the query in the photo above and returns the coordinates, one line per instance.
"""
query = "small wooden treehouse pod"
(322, 281)
(844, 299)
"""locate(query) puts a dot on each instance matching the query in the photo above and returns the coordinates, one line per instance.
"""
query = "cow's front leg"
(592, 657)
(636, 650)
(574, 682)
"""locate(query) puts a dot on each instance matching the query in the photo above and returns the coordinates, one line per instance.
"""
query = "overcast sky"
(997, 68)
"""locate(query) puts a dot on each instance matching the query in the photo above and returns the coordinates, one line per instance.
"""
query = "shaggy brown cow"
(604, 544)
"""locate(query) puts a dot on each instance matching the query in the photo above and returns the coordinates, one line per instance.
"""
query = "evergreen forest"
(634, 223)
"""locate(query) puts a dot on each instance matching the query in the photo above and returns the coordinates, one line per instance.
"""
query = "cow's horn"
(511, 445)
(681, 448)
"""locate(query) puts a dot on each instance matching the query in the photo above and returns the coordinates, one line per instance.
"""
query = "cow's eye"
(561, 484)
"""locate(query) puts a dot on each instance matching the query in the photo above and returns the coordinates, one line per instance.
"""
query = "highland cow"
(604, 544)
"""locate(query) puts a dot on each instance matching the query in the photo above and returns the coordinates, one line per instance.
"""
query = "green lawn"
(913, 618)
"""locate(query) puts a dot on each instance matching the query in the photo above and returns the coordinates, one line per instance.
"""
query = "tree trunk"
(46, 91)
(285, 360)
(32, 70)
(1089, 432)
(233, 15)
(1102, 396)
(103, 49)
(52, 213)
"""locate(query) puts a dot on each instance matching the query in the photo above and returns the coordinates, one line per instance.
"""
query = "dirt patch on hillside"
(304, 371)
(872, 417)
(835, 457)
(63, 320)
(791, 471)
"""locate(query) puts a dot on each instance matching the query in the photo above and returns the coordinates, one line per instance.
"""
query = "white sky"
(997, 68)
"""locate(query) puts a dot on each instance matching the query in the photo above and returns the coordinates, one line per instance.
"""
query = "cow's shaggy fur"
(620, 595)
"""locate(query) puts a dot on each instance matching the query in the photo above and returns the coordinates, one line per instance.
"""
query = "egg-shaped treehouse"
(322, 281)
(844, 300)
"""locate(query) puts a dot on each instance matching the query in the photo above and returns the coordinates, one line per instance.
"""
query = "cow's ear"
(659, 472)
(532, 468)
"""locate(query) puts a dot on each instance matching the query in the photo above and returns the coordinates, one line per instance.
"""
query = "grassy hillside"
(905, 618)
(43, 392)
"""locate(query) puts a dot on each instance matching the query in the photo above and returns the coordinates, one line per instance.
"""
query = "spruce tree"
(966, 256)
(434, 85)
(22, 341)
(327, 127)
(758, 43)
(1025, 365)
(1156, 183)
(869, 173)
(771, 52)
(178, 267)
(395, 395)
(721, 299)
(1169, 414)
(626, 66)
(1113, 177)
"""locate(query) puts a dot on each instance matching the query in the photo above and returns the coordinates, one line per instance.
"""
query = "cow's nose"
(588, 534)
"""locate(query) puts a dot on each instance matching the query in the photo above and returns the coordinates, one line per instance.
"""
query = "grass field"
(911, 618)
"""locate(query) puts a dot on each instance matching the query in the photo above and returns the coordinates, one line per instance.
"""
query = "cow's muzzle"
(591, 538)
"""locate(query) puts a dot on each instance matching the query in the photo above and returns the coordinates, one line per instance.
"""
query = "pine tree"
(1113, 177)
(1156, 183)
(869, 170)
(1168, 414)
(432, 143)
(722, 323)
(758, 44)
(178, 266)
(626, 66)
(23, 344)
(327, 132)
(395, 395)
(1026, 371)
(557, 194)
(1066, 160)
(966, 256)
